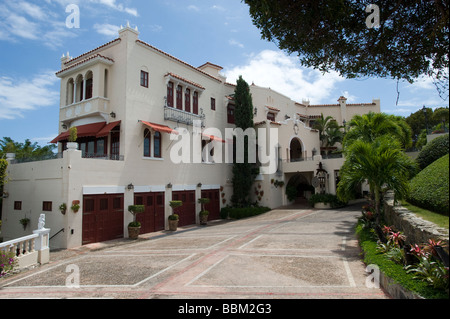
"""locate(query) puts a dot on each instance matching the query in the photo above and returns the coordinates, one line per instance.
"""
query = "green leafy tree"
(411, 39)
(381, 163)
(441, 116)
(25, 150)
(243, 173)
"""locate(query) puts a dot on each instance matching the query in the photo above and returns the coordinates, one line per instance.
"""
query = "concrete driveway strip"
(290, 253)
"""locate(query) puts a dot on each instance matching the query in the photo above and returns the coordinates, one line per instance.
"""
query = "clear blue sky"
(34, 35)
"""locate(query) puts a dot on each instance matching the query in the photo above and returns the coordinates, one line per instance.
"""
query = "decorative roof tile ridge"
(84, 61)
(92, 51)
(273, 108)
(185, 80)
(178, 60)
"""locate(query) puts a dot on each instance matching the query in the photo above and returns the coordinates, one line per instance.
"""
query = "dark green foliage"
(244, 212)
(333, 35)
(291, 193)
(429, 189)
(26, 150)
(326, 199)
(433, 151)
(243, 173)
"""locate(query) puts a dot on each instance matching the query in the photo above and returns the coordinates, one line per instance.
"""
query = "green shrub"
(238, 213)
(433, 151)
(327, 199)
(429, 189)
(291, 193)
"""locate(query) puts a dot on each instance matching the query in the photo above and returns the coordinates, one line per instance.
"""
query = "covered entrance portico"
(301, 182)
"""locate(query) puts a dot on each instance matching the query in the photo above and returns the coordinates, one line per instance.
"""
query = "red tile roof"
(185, 80)
(178, 60)
(84, 61)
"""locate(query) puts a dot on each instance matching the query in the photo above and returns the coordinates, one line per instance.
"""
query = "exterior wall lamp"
(169, 185)
(113, 115)
(130, 186)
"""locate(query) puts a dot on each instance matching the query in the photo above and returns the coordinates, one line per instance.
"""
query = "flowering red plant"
(387, 230)
(397, 238)
(418, 251)
(431, 246)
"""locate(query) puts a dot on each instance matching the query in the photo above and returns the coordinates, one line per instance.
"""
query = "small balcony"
(180, 116)
(85, 108)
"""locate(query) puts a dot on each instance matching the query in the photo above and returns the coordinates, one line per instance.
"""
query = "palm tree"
(328, 130)
(368, 127)
(381, 163)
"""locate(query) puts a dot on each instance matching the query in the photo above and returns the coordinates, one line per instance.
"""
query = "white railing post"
(42, 242)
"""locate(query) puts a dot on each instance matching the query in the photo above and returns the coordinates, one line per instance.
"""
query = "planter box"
(321, 205)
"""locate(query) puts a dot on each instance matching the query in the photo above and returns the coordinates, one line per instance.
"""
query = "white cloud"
(233, 42)
(284, 74)
(193, 8)
(119, 7)
(109, 30)
(22, 20)
(218, 8)
(21, 27)
(20, 95)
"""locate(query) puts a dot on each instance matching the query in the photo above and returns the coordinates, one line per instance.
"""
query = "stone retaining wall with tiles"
(416, 229)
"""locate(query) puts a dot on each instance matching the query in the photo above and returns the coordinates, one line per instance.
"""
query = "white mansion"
(126, 97)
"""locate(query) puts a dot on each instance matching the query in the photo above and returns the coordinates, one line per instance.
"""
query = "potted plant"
(203, 213)
(135, 227)
(24, 221)
(75, 206)
(72, 140)
(63, 208)
(174, 218)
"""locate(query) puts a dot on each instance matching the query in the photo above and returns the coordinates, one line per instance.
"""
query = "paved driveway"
(286, 253)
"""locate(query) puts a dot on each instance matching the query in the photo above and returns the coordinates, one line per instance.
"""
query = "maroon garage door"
(152, 219)
(214, 204)
(102, 218)
(187, 211)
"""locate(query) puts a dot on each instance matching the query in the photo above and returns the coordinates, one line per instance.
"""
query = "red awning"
(159, 127)
(82, 131)
(214, 138)
(108, 128)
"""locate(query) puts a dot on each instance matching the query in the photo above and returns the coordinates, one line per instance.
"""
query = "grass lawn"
(438, 219)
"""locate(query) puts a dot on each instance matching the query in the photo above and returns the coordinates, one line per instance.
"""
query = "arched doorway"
(296, 150)
(300, 188)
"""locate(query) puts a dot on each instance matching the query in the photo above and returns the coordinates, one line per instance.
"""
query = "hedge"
(433, 151)
(238, 213)
(429, 189)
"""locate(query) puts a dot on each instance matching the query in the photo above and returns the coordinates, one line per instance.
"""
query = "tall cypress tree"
(243, 173)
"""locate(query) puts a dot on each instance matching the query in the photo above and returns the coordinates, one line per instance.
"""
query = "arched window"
(157, 145)
(79, 88)
(89, 85)
(69, 92)
(147, 143)
(187, 100)
(195, 103)
(296, 150)
(170, 94)
(179, 97)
